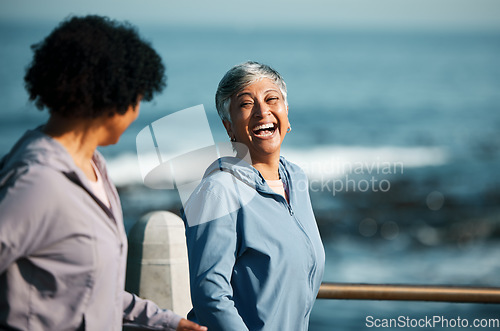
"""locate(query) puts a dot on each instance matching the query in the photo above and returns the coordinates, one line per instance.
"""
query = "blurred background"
(395, 109)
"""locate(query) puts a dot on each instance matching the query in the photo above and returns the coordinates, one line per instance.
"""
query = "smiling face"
(259, 119)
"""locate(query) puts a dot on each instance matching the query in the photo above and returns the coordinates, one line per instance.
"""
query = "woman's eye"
(272, 99)
(246, 104)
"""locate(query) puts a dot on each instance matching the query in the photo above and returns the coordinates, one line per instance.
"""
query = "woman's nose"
(261, 109)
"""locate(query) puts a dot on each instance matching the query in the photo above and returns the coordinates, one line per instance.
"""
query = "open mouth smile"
(265, 130)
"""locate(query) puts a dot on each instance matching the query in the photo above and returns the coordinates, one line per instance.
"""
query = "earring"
(289, 129)
(233, 139)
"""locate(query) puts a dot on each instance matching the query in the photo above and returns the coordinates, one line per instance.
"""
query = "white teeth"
(264, 126)
(266, 134)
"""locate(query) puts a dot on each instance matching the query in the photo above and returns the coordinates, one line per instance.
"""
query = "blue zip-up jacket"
(256, 261)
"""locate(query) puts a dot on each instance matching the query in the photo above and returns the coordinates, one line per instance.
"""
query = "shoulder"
(215, 188)
(219, 196)
(28, 181)
(32, 200)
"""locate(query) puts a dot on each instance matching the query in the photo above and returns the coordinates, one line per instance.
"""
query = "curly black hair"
(89, 66)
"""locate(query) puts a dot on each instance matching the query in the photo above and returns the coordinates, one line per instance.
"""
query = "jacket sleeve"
(25, 207)
(212, 250)
(146, 315)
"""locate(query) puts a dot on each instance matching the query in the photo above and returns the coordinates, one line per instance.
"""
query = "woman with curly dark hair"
(62, 241)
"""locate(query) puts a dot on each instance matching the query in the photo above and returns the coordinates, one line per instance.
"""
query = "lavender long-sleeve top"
(62, 251)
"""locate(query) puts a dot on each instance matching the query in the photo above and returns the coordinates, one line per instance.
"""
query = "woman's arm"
(212, 246)
(140, 312)
(145, 313)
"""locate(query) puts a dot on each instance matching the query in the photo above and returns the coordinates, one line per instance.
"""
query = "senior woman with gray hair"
(255, 254)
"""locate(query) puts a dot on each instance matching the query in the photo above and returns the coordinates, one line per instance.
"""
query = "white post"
(157, 265)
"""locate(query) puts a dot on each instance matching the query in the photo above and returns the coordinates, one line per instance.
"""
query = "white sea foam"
(124, 169)
(325, 162)
(336, 161)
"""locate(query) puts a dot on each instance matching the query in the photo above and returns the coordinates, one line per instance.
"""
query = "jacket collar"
(246, 173)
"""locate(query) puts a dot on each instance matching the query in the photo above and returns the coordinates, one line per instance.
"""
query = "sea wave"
(335, 161)
(330, 161)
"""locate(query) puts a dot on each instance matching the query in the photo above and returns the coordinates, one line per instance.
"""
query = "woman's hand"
(186, 325)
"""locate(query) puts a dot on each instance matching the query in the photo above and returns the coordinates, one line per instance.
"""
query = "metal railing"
(409, 293)
(143, 243)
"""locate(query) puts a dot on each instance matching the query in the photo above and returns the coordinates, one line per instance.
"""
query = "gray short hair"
(239, 77)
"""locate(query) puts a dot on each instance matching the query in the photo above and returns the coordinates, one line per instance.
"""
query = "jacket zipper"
(309, 242)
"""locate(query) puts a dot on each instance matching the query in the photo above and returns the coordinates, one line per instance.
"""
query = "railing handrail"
(462, 294)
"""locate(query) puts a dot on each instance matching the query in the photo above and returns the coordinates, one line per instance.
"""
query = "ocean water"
(398, 132)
